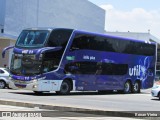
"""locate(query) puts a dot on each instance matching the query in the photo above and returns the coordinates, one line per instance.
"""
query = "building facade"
(19, 14)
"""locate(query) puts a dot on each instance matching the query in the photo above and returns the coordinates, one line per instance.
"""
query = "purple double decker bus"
(64, 60)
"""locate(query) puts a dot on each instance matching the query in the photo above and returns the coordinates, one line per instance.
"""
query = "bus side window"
(59, 38)
(81, 41)
(75, 45)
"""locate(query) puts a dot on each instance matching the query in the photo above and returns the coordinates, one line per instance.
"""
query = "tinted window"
(97, 68)
(101, 43)
(32, 38)
(140, 48)
(81, 42)
(59, 37)
(114, 69)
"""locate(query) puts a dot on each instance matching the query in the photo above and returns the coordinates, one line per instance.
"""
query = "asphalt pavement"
(79, 104)
(13, 112)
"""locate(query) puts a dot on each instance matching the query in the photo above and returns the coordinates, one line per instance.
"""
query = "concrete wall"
(3, 61)
(3, 43)
(78, 14)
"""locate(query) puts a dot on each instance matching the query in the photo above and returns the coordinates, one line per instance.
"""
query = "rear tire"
(2, 84)
(127, 87)
(65, 88)
(136, 87)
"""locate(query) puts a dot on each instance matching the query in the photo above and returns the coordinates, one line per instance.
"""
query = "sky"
(131, 15)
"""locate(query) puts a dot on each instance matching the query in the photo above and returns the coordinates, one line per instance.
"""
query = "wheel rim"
(64, 87)
(136, 87)
(127, 87)
(2, 84)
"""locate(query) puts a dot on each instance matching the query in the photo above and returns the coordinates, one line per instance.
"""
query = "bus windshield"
(32, 38)
(25, 65)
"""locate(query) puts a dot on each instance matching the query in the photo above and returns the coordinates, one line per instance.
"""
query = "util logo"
(135, 71)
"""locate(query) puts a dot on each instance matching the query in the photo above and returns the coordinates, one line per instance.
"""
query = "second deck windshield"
(31, 38)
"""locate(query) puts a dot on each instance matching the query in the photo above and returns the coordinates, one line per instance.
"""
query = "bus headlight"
(24, 82)
(34, 81)
(34, 86)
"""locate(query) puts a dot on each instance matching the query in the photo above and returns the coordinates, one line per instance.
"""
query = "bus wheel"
(127, 87)
(136, 87)
(65, 88)
(158, 95)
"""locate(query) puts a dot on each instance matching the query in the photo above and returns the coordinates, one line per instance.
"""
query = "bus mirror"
(5, 49)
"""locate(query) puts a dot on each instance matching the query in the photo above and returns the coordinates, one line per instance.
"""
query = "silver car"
(156, 89)
(4, 78)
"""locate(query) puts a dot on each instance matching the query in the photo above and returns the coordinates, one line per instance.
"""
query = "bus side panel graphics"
(143, 71)
(85, 62)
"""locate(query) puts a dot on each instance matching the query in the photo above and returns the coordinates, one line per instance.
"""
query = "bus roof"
(93, 33)
(46, 28)
(116, 37)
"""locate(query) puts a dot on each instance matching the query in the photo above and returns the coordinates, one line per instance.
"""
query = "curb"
(69, 109)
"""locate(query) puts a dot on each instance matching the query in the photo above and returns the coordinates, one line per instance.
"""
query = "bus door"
(80, 66)
(86, 79)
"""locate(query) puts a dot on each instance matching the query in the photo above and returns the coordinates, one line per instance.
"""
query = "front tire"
(65, 88)
(127, 87)
(2, 84)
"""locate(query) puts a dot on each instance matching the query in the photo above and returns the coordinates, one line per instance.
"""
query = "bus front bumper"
(36, 85)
